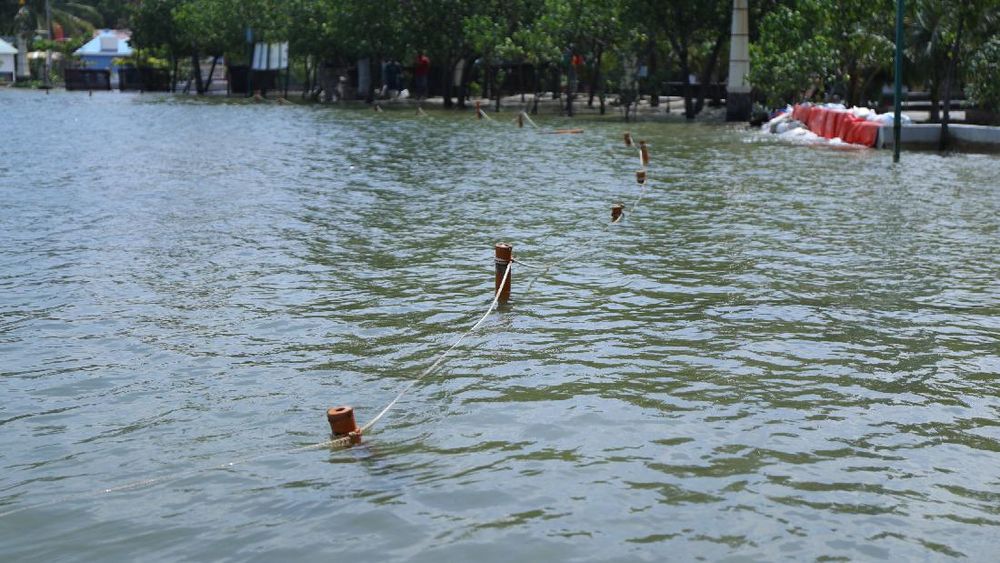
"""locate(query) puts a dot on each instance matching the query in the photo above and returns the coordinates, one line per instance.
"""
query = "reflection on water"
(783, 352)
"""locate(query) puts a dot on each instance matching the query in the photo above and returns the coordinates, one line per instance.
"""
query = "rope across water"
(344, 441)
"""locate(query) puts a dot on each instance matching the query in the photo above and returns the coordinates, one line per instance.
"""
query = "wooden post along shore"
(504, 256)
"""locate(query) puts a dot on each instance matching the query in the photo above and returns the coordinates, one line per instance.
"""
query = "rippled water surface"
(784, 352)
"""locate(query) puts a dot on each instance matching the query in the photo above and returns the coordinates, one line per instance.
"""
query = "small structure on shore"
(100, 52)
(7, 54)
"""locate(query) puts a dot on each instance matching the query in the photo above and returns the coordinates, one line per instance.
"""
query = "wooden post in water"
(520, 120)
(628, 139)
(644, 151)
(640, 177)
(504, 256)
(342, 423)
(479, 110)
(616, 212)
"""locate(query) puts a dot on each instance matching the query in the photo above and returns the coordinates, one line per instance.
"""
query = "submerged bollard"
(520, 120)
(617, 210)
(640, 176)
(628, 139)
(504, 255)
(342, 423)
(479, 111)
(644, 151)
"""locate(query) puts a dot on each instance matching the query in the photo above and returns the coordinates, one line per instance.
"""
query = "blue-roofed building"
(107, 45)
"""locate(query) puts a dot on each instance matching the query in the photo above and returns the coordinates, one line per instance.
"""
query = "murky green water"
(784, 353)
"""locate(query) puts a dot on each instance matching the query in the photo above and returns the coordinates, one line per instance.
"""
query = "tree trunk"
(446, 75)
(211, 72)
(654, 91)
(680, 45)
(570, 88)
(372, 69)
(595, 76)
(173, 75)
(706, 75)
(688, 97)
(935, 116)
(520, 80)
(852, 87)
(950, 74)
(307, 85)
(497, 87)
(199, 86)
(463, 87)
(538, 85)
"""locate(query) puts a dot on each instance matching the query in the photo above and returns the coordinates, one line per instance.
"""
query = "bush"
(984, 86)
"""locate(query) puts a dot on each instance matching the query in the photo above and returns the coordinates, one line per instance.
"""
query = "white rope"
(484, 114)
(442, 357)
(346, 440)
(336, 442)
(546, 268)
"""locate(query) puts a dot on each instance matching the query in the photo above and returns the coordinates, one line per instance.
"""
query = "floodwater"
(783, 352)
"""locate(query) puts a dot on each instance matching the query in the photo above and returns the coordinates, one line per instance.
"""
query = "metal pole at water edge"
(898, 72)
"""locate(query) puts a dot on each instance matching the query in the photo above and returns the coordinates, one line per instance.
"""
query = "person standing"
(421, 68)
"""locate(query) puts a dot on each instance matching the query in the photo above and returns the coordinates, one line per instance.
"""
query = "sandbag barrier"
(831, 123)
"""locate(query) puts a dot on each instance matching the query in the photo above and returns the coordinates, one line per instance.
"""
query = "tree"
(984, 87)
(790, 57)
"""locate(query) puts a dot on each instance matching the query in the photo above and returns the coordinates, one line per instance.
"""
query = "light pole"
(898, 102)
(48, 52)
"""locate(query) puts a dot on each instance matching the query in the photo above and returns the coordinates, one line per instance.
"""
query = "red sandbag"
(845, 126)
(804, 115)
(833, 121)
(864, 133)
(818, 120)
(810, 116)
(799, 113)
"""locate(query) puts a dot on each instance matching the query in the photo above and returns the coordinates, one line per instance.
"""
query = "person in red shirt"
(421, 68)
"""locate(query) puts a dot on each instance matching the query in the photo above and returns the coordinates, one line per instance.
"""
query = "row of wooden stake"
(341, 419)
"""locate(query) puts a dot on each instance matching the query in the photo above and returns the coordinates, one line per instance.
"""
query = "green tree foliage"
(984, 86)
(827, 47)
(790, 57)
(76, 18)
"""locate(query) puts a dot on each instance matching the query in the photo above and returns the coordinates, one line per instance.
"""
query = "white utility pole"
(738, 105)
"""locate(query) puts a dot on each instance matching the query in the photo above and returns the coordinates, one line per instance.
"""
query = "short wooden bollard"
(640, 176)
(504, 256)
(520, 120)
(616, 212)
(342, 423)
(479, 110)
(628, 139)
(644, 151)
